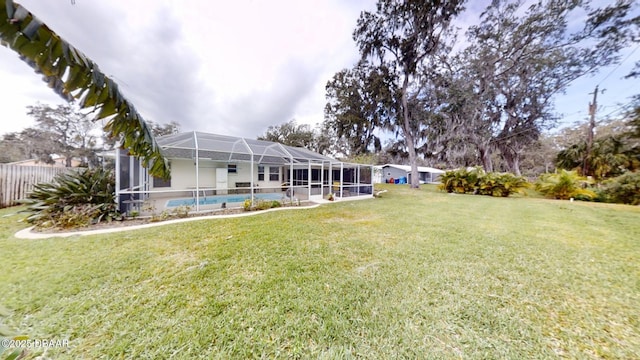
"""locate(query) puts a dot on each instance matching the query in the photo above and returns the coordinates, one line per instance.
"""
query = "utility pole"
(592, 124)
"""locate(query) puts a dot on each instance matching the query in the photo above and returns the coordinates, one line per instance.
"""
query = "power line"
(513, 134)
(620, 108)
(620, 64)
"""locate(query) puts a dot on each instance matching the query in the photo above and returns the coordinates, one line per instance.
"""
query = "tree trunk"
(516, 164)
(408, 135)
(512, 158)
(485, 156)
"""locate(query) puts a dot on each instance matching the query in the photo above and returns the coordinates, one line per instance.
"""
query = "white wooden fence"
(17, 181)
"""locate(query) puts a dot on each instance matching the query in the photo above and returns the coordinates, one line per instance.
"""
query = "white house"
(403, 172)
(209, 171)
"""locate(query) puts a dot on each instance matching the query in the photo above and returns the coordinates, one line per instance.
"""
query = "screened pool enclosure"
(210, 171)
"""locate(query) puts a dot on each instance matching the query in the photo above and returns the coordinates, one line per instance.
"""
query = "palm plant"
(453, 181)
(564, 185)
(460, 181)
(609, 157)
(74, 199)
(501, 184)
(477, 181)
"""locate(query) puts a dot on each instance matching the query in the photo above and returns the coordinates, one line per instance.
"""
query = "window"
(232, 168)
(260, 173)
(315, 175)
(159, 182)
(274, 173)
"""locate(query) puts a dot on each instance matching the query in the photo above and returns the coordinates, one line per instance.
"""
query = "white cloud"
(231, 67)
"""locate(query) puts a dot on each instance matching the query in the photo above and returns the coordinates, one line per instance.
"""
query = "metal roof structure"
(189, 145)
(309, 174)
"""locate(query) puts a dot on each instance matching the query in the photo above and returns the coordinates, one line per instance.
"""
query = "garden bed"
(156, 218)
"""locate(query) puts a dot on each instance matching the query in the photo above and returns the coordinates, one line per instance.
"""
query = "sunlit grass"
(414, 274)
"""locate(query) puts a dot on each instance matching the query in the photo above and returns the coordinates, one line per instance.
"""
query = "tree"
(291, 134)
(327, 141)
(634, 122)
(353, 107)
(12, 148)
(614, 150)
(75, 77)
(39, 144)
(70, 132)
(539, 157)
(400, 37)
(169, 128)
(520, 59)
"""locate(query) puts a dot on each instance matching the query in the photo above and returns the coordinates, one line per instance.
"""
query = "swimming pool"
(219, 199)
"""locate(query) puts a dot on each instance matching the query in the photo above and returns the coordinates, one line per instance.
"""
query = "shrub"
(623, 189)
(182, 211)
(564, 185)
(476, 181)
(74, 199)
(261, 205)
(164, 215)
(74, 217)
(461, 181)
(264, 205)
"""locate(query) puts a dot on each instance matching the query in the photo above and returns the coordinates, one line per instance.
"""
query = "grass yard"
(414, 274)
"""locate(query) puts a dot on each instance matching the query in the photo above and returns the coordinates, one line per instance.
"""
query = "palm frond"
(73, 76)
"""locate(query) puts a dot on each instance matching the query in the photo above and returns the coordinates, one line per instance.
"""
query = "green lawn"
(415, 274)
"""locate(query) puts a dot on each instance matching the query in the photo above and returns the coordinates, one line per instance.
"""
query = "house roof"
(231, 148)
(407, 168)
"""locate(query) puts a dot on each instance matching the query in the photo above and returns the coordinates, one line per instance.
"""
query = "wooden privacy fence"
(17, 181)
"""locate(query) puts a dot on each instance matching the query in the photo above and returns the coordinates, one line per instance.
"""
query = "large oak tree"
(401, 37)
(520, 57)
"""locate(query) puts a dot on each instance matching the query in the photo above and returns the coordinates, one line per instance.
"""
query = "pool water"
(219, 199)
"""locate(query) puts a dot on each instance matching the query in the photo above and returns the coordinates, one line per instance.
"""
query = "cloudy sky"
(228, 67)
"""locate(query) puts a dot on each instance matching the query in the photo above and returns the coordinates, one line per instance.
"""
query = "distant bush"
(74, 199)
(624, 189)
(565, 185)
(477, 181)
